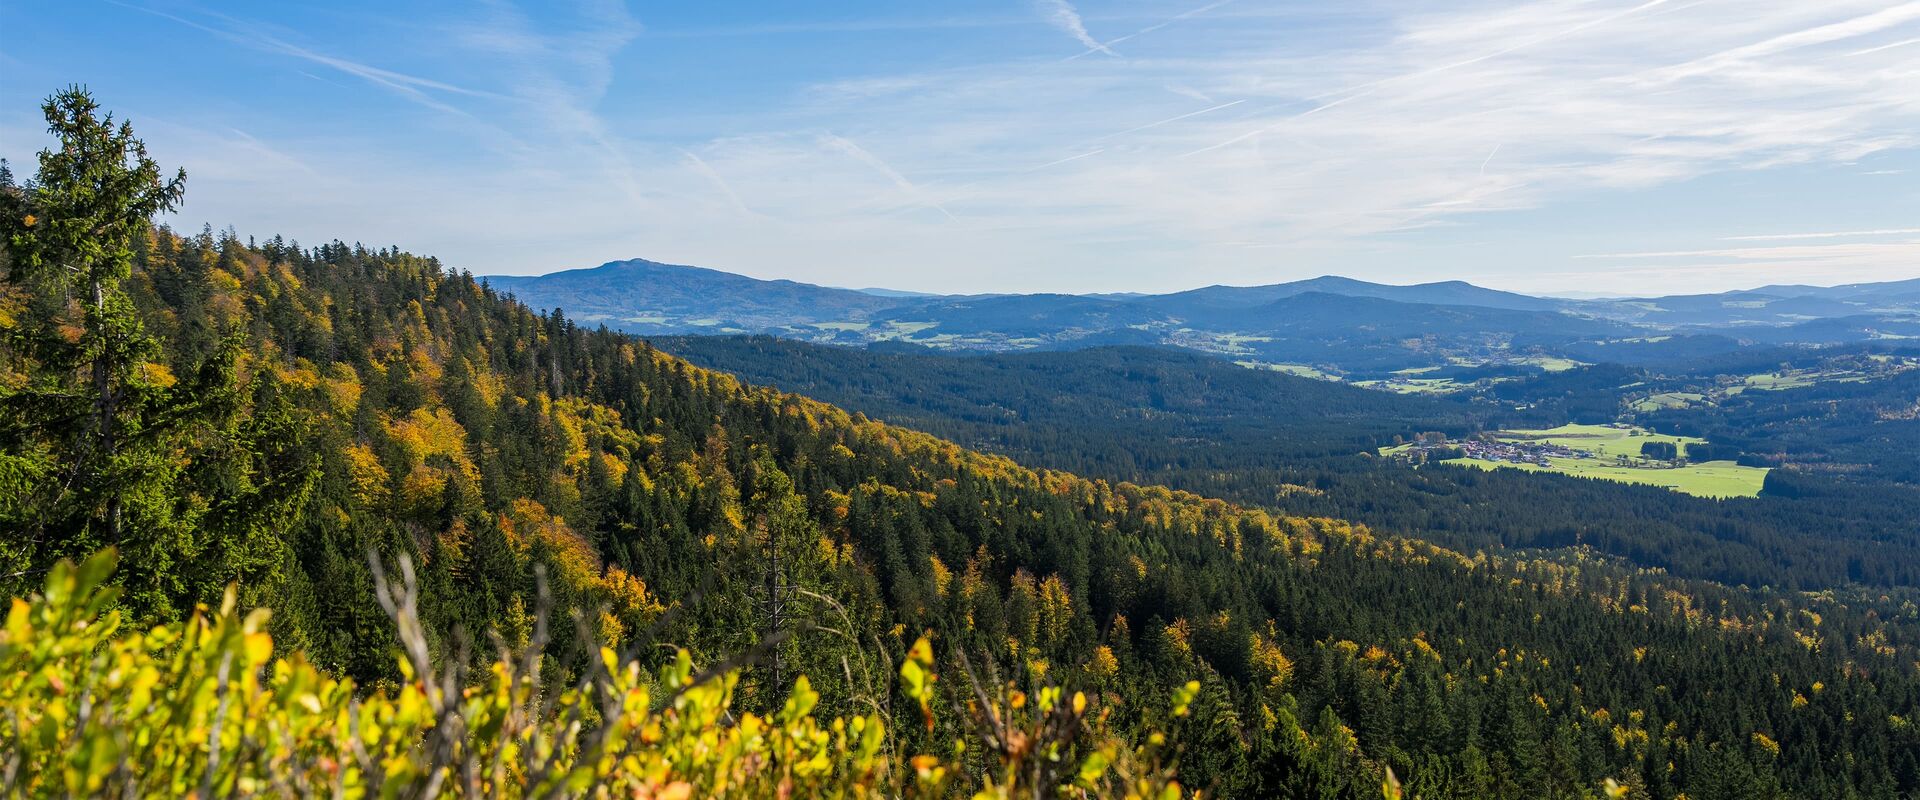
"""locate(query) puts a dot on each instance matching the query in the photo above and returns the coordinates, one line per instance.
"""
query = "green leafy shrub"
(202, 708)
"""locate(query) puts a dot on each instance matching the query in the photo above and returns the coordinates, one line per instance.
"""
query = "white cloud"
(1823, 235)
(1681, 271)
(1061, 14)
(1309, 150)
(1781, 253)
(906, 186)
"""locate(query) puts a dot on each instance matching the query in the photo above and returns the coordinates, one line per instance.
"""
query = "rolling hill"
(1197, 302)
(1331, 325)
(638, 294)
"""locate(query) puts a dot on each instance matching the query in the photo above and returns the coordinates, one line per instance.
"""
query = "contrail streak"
(860, 154)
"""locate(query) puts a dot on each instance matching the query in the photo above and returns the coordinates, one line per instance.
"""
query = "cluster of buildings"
(1488, 449)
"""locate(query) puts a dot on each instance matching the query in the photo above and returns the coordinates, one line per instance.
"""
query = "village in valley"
(1437, 447)
(1617, 452)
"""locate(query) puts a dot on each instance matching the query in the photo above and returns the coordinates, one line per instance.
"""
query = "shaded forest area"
(1294, 444)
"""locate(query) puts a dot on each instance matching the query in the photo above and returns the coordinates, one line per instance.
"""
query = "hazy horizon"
(1098, 291)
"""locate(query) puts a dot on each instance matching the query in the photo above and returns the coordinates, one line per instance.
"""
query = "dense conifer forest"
(263, 414)
(1301, 446)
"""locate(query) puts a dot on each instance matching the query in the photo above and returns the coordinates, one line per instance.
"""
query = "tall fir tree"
(94, 424)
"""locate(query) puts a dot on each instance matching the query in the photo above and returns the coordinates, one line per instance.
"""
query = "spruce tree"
(89, 430)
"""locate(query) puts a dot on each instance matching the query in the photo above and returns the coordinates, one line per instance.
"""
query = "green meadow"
(1720, 479)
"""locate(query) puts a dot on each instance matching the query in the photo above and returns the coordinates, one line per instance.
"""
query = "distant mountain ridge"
(1453, 293)
(636, 290)
(1336, 324)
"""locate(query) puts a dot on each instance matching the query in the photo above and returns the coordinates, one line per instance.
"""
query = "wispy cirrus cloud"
(561, 70)
(1889, 46)
(1822, 235)
(1061, 14)
(1236, 143)
(1778, 253)
(719, 182)
(1459, 113)
(249, 34)
(1714, 270)
(1106, 46)
(908, 187)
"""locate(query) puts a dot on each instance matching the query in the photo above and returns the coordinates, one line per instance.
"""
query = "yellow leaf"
(259, 648)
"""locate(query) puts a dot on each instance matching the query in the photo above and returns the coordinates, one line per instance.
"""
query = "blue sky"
(1609, 146)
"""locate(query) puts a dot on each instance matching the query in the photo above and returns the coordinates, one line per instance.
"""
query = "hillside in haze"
(688, 296)
(1336, 326)
(1452, 293)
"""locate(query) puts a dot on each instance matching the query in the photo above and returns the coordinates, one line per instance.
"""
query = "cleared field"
(1669, 400)
(1606, 441)
(896, 329)
(1301, 370)
(1550, 363)
(1236, 339)
(1414, 385)
(1776, 380)
(1720, 479)
(1609, 443)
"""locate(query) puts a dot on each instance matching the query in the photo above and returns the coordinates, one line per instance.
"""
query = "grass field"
(1414, 385)
(1550, 363)
(1607, 442)
(1669, 400)
(1710, 479)
(1776, 381)
(1237, 339)
(896, 329)
(1301, 370)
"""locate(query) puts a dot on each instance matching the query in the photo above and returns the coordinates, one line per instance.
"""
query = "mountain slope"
(627, 293)
(1847, 290)
(1274, 440)
(436, 418)
(1195, 302)
(1026, 315)
(1774, 305)
(1320, 313)
(1022, 404)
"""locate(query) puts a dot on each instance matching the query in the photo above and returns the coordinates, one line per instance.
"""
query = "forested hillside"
(1295, 444)
(266, 413)
(1066, 405)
